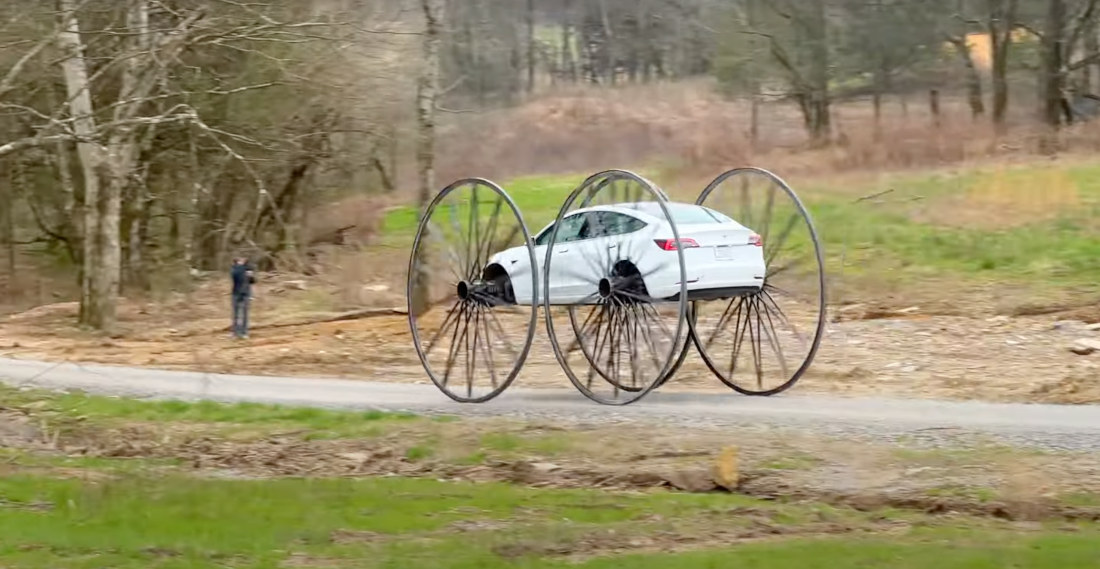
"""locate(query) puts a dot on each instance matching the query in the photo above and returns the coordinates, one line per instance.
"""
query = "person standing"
(243, 279)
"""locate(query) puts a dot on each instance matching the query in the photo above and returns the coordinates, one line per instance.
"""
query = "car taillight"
(756, 240)
(670, 244)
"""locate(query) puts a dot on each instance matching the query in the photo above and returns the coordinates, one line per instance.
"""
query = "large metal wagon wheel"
(762, 342)
(470, 330)
(615, 289)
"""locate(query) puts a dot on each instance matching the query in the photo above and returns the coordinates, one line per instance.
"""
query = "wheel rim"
(762, 343)
(474, 335)
(618, 341)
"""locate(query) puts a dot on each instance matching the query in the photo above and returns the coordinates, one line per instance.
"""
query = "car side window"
(608, 223)
(572, 229)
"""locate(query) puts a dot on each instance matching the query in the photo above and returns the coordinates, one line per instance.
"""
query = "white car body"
(722, 258)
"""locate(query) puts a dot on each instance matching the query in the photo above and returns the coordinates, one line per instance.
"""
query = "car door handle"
(612, 246)
(563, 250)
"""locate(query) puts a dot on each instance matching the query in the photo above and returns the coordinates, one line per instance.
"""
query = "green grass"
(537, 197)
(58, 511)
(320, 423)
(1081, 499)
(178, 521)
(882, 239)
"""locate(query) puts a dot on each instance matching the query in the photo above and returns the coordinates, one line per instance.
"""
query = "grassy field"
(176, 521)
(60, 508)
(1012, 225)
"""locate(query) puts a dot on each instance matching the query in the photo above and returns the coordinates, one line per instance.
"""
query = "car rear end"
(722, 258)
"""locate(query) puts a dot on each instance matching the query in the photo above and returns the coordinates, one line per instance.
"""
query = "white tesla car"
(722, 258)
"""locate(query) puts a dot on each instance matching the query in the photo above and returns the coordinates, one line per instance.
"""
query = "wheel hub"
(606, 288)
(479, 292)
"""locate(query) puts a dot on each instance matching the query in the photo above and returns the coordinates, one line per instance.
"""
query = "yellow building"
(981, 48)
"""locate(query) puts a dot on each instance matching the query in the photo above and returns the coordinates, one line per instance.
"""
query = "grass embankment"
(1033, 226)
(60, 509)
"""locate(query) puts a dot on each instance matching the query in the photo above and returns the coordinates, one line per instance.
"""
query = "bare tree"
(957, 28)
(92, 160)
(532, 46)
(427, 90)
(1000, 23)
(1052, 49)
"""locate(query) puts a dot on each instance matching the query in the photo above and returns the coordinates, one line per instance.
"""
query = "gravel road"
(1052, 427)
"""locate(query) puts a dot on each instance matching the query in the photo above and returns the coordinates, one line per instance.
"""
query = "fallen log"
(360, 314)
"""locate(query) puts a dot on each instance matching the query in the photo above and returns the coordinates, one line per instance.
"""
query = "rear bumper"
(714, 280)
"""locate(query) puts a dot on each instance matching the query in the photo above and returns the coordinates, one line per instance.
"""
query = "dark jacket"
(242, 281)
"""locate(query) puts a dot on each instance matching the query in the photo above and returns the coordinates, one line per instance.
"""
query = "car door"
(564, 280)
(609, 241)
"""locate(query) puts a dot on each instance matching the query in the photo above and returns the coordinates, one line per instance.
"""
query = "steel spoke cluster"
(761, 343)
(484, 337)
(628, 340)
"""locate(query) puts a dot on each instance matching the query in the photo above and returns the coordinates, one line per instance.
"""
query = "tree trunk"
(1052, 79)
(531, 46)
(821, 123)
(1002, 18)
(1051, 49)
(879, 89)
(7, 198)
(1091, 73)
(426, 93)
(934, 107)
(137, 238)
(609, 43)
(752, 72)
(568, 62)
(72, 225)
(974, 95)
(78, 89)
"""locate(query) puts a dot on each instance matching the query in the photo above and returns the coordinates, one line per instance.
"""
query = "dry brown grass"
(1006, 198)
(692, 128)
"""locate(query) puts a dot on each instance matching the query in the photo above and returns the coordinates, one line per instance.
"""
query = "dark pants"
(240, 315)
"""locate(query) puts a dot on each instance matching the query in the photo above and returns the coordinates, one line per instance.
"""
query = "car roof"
(649, 209)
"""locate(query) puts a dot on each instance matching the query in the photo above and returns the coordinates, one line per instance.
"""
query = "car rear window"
(691, 215)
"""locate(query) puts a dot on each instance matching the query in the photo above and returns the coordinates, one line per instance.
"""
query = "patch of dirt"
(18, 430)
(900, 349)
(900, 345)
(748, 527)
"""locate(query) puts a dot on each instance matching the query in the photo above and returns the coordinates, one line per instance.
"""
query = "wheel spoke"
(456, 309)
(773, 339)
(765, 223)
(723, 321)
(746, 203)
(772, 251)
(739, 336)
(642, 317)
(457, 340)
(489, 361)
(601, 340)
(771, 306)
(455, 256)
(503, 335)
(485, 247)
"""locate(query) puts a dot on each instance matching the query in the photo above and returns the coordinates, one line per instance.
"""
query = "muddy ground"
(968, 349)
